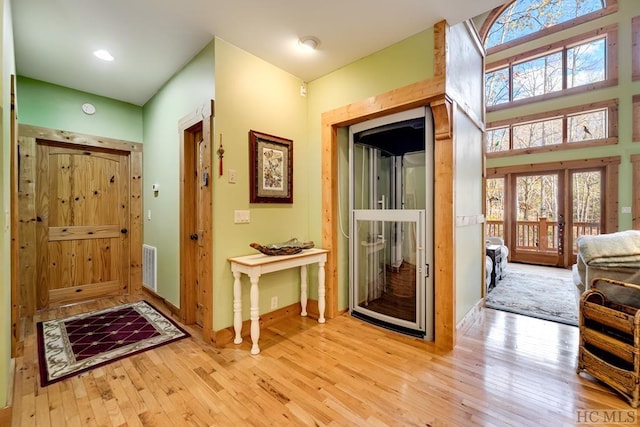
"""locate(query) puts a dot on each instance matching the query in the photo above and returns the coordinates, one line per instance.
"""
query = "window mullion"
(564, 68)
(510, 82)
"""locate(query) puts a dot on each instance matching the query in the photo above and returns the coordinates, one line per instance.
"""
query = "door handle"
(124, 230)
(194, 236)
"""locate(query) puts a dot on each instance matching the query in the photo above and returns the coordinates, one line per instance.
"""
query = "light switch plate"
(241, 217)
(232, 176)
(626, 209)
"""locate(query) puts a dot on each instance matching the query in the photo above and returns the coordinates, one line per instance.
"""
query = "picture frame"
(270, 168)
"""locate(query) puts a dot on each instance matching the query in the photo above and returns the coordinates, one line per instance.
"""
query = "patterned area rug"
(533, 295)
(69, 346)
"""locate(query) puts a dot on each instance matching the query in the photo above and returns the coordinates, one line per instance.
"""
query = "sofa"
(610, 256)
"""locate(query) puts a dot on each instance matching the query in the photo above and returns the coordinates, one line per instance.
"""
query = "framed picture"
(270, 168)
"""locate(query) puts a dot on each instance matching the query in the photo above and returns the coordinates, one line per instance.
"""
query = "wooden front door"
(82, 208)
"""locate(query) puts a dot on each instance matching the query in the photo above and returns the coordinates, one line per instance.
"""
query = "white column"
(237, 307)
(255, 315)
(321, 292)
(303, 290)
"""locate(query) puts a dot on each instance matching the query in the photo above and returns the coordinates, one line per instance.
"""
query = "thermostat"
(88, 108)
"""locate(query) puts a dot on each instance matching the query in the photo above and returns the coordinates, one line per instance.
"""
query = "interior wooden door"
(200, 181)
(82, 224)
(196, 180)
(196, 218)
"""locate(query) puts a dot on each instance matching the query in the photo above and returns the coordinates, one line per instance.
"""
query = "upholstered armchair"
(504, 250)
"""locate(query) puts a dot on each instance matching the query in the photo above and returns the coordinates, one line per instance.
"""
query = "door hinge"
(426, 270)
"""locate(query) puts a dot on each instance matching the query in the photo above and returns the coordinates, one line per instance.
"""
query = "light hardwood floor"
(506, 370)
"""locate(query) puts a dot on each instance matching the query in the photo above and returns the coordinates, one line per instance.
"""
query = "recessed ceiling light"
(309, 42)
(103, 54)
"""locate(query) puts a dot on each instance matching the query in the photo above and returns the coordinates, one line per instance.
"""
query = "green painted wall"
(57, 107)
(624, 91)
(190, 88)
(252, 94)
(8, 67)
(399, 65)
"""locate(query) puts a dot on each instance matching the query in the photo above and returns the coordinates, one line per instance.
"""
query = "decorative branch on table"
(290, 247)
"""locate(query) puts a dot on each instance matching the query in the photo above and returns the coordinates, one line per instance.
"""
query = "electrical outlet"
(274, 303)
(626, 210)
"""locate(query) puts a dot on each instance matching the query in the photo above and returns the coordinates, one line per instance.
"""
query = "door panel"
(195, 222)
(538, 218)
(200, 184)
(587, 206)
(383, 288)
(83, 211)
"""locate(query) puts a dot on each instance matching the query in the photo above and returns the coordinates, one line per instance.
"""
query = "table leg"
(321, 303)
(303, 290)
(255, 315)
(237, 307)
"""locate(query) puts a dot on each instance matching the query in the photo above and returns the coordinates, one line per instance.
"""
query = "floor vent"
(149, 267)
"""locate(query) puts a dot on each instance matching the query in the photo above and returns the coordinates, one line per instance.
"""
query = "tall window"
(525, 17)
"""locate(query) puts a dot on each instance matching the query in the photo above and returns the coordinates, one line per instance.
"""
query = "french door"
(541, 215)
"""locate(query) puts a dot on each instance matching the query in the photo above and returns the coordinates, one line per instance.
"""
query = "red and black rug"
(75, 344)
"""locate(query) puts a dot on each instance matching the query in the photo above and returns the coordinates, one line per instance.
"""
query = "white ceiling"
(152, 39)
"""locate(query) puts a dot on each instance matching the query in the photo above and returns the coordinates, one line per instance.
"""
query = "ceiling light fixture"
(103, 54)
(309, 42)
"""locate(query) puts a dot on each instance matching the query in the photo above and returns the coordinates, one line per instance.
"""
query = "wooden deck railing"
(541, 235)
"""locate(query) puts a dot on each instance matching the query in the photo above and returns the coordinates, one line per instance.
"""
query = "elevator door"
(390, 228)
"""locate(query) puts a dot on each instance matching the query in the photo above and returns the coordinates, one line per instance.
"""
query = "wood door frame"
(30, 135)
(15, 220)
(610, 165)
(200, 119)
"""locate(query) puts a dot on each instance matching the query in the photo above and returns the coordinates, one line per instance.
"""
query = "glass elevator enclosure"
(391, 231)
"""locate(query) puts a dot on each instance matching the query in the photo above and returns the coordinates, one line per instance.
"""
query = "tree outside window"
(525, 17)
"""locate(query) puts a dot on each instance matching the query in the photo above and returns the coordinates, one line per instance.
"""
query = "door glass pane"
(386, 268)
(587, 204)
(495, 207)
(537, 213)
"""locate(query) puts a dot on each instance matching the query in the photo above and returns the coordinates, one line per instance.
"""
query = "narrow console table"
(256, 265)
